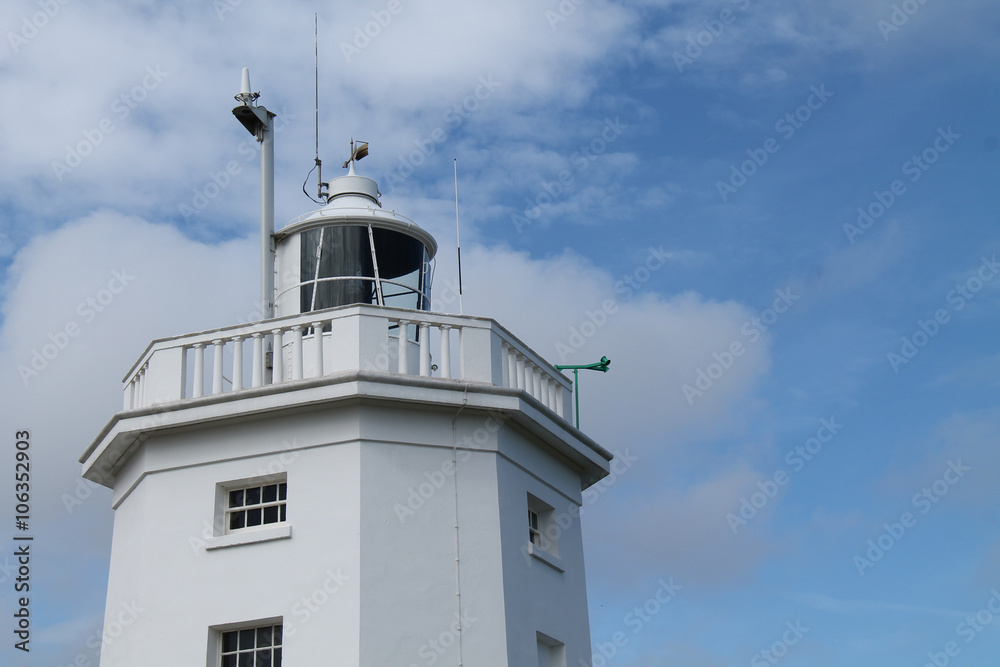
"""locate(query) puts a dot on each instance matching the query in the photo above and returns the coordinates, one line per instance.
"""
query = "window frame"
(223, 510)
(217, 634)
(545, 527)
(261, 506)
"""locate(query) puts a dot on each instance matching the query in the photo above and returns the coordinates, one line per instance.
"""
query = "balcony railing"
(336, 340)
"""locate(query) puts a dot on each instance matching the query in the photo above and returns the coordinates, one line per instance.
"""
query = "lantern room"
(352, 251)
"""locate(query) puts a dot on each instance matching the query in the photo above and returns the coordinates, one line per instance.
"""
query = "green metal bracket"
(601, 365)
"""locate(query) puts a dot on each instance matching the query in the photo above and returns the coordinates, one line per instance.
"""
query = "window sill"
(552, 561)
(279, 532)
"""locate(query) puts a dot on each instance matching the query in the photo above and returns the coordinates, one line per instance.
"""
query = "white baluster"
(403, 361)
(143, 383)
(199, 370)
(237, 362)
(537, 382)
(318, 347)
(425, 349)
(277, 357)
(543, 388)
(445, 351)
(129, 392)
(257, 373)
(297, 352)
(505, 363)
(559, 401)
(217, 366)
(519, 375)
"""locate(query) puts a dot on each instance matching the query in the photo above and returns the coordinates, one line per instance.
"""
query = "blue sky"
(590, 137)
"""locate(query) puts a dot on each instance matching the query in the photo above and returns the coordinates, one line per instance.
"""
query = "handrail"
(354, 337)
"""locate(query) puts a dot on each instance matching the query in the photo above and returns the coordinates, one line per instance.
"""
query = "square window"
(254, 505)
(543, 532)
(251, 647)
(551, 653)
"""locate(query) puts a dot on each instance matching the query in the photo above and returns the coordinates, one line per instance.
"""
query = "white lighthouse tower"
(355, 481)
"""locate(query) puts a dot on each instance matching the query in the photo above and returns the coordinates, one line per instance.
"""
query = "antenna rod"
(319, 163)
(458, 239)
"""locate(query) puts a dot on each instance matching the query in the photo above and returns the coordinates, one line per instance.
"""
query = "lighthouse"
(356, 479)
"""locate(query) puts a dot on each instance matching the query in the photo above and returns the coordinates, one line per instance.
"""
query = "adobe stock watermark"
(786, 126)
(128, 614)
(753, 330)
(914, 168)
(899, 17)
(581, 159)
(968, 630)
(304, 608)
(218, 181)
(704, 39)
(84, 489)
(452, 119)
(88, 310)
(273, 470)
(223, 7)
(32, 25)
(635, 620)
(957, 298)
(924, 501)
(793, 634)
(562, 12)
(629, 284)
(561, 521)
(796, 458)
(419, 494)
(435, 647)
(122, 108)
(363, 35)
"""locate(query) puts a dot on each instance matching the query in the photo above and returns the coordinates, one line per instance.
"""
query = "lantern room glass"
(339, 268)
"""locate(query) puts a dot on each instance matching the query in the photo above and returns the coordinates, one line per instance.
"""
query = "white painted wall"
(354, 467)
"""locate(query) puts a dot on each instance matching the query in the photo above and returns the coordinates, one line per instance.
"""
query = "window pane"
(271, 514)
(270, 493)
(277, 636)
(263, 636)
(246, 638)
(253, 496)
(282, 512)
(264, 658)
(236, 498)
(237, 520)
(282, 490)
(229, 641)
(253, 517)
(246, 659)
(277, 657)
(229, 660)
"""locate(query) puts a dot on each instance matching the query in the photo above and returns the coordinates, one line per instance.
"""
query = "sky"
(777, 219)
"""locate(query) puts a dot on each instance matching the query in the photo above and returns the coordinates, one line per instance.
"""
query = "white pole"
(458, 241)
(267, 217)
